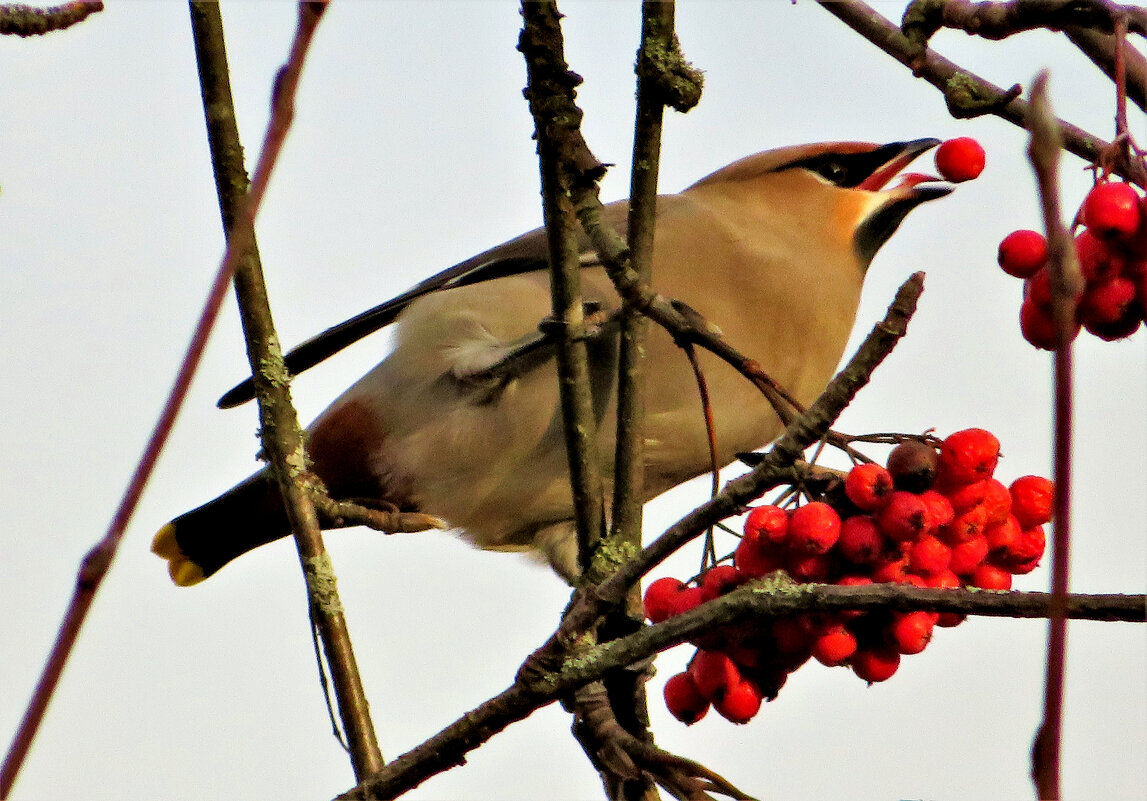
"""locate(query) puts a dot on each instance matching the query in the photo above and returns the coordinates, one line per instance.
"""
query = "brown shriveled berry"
(913, 465)
(868, 486)
(683, 700)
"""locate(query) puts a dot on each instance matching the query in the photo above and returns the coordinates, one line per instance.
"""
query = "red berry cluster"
(1112, 251)
(931, 519)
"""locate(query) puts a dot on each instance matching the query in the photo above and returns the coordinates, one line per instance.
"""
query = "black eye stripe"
(848, 170)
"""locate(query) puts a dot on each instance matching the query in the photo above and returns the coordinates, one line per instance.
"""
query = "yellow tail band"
(183, 571)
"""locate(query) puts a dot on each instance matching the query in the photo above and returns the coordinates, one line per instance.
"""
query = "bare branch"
(966, 94)
(21, 20)
(999, 20)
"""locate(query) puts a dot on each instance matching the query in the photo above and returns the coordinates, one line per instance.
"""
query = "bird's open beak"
(910, 191)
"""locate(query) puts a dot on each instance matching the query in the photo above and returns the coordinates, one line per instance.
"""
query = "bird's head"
(850, 188)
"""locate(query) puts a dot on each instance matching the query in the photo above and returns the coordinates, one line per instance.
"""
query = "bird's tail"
(196, 544)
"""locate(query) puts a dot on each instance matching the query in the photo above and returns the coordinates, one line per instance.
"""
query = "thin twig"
(550, 92)
(999, 20)
(1065, 278)
(282, 438)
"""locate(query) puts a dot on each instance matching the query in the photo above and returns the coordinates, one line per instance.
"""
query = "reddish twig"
(1065, 277)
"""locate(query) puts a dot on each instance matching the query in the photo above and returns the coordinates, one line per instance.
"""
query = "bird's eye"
(832, 171)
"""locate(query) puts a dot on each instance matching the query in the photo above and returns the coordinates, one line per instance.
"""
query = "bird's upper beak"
(893, 204)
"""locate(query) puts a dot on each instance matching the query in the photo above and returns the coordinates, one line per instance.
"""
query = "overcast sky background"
(411, 151)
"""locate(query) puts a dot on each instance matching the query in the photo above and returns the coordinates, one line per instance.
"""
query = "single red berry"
(875, 664)
(1111, 209)
(769, 523)
(718, 580)
(1032, 499)
(891, 571)
(1022, 568)
(940, 511)
(991, 577)
(713, 672)
(960, 159)
(964, 496)
(967, 525)
(740, 703)
(1109, 309)
(659, 598)
(967, 456)
(834, 646)
(910, 632)
(814, 567)
(687, 600)
(968, 555)
(754, 559)
(683, 700)
(868, 486)
(913, 466)
(1028, 546)
(904, 518)
(1022, 253)
(1003, 536)
(944, 580)
(860, 540)
(1037, 289)
(1095, 257)
(997, 502)
(814, 528)
(1038, 326)
(929, 555)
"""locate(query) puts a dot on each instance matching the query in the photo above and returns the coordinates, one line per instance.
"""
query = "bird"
(462, 419)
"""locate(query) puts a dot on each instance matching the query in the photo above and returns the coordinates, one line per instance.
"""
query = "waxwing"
(462, 419)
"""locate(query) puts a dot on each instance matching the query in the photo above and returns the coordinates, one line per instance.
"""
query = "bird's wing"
(524, 254)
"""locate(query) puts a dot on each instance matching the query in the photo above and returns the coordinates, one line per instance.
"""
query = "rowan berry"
(960, 159)
(791, 635)
(1111, 209)
(910, 632)
(997, 502)
(1038, 326)
(868, 486)
(913, 466)
(1003, 536)
(965, 526)
(683, 700)
(991, 577)
(965, 496)
(809, 567)
(740, 703)
(891, 571)
(875, 664)
(967, 456)
(659, 598)
(1022, 252)
(713, 672)
(834, 647)
(1109, 309)
(718, 580)
(968, 555)
(1032, 499)
(929, 555)
(852, 581)
(940, 511)
(754, 559)
(904, 517)
(768, 523)
(686, 600)
(860, 540)
(1028, 546)
(813, 528)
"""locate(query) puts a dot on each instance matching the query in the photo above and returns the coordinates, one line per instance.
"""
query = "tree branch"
(281, 435)
(966, 94)
(21, 20)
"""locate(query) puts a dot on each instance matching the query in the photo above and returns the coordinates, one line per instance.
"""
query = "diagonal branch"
(281, 435)
(21, 20)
